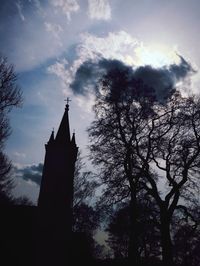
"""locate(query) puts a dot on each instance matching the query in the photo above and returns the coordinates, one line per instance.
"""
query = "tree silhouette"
(84, 183)
(148, 232)
(10, 96)
(137, 141)
(122, 104)
(118, 232)
(172, 143)
(86, 216)
(6, 182)
(186, 235)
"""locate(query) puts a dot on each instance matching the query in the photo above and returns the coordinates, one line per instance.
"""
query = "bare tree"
(84, 183)
(121, 109)
(10, 93)
(138, 141)
(172, 149)
(86, 216)
(10, 96)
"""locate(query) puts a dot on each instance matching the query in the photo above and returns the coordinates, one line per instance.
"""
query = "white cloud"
(46, 33)
(39, 7)
(58, 68)
(86, 106)
(55, 29)
(62, 71)
(67, 6)
(27, 189)
(99, 9)
(39, 41)
(20, 7)
(19, 154)
(117, 45)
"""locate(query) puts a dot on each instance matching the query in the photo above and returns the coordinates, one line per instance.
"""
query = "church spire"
(63, 134)
(73, 141)
(51, 139)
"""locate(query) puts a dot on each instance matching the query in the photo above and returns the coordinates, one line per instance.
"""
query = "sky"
(61, 47)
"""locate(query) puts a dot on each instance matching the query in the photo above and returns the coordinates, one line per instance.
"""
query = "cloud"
(98, 55)
(116, 45)
(31, 173)
(88, 74)
(162, 80)
(29, 45)
(20, 8)
(166, 78)
(38, 6)
(65, 73)
(56, 30)
(19, 154)
(59, 68)
(67, 6)
(92, 48)
(155, 55)
(99, 9)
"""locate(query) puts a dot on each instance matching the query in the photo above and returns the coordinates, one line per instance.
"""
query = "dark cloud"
(89, 72)
(162, 80)
(31, 173)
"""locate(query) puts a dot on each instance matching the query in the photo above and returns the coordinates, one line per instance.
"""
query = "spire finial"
(67, 100)
(63, 134)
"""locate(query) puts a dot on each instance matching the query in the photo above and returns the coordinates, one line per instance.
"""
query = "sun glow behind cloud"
(156, 55)
(114, 46)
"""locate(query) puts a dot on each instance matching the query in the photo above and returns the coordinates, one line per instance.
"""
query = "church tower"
(56, 190)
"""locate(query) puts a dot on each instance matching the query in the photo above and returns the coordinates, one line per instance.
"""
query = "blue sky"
(48, 41)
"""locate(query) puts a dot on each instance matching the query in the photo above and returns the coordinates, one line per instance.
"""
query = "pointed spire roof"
(63, 134)
(51, 139)
(73, 141)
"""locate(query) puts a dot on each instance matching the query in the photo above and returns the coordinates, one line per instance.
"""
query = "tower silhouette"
(55, 200)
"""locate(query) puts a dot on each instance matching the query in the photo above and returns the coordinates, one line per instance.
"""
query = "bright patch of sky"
(47, 41)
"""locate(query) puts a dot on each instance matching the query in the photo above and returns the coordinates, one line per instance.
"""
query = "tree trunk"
(167, 248)
(133, 254)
